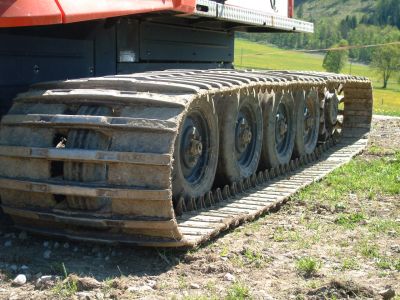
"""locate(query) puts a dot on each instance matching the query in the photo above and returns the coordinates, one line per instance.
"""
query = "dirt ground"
(297, 252)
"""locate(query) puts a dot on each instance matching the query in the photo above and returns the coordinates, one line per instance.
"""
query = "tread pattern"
(124, 129)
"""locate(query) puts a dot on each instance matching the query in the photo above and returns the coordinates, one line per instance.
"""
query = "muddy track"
(92, 159)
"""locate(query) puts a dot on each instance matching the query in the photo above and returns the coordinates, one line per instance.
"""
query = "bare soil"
(258, 260)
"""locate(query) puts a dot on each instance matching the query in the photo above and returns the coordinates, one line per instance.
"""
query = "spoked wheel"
(307, 122)
(330, 112)
(240, 138)
(279, 131)
(196, 152)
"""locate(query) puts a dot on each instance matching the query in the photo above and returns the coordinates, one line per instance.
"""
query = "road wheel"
(279, 131)
(196, 151)
(331, 112)
(240, 137)
(307, 122)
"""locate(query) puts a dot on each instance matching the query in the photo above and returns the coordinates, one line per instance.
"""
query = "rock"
(56, 245)
(45, 244)
(46, 281)
(194, 286)
(75, 249)
(23, 235)
(99, 296)
(19, 280)
(85, 283)
(261, 294)
(24, 268)
(388, 293)
(66, 246)
(139, 289)
(107, 258)
(14, 268)
(47, 254)
(229, 277)
(84, 295)
(151, 283)
(8, 243)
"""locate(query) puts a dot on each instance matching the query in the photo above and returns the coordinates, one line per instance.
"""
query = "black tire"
(307, 116)
(277, 151)
(193, 175)
(241, 125)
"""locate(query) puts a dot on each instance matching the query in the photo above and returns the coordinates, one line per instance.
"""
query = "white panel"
(282, 6)
(253, 17)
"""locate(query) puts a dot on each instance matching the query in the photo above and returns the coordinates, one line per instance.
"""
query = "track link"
(91, 159)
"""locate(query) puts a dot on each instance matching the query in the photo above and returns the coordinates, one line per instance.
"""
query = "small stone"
(14, 268)
(8, 243)
(75, 249)
(23, 235)
(99, 296)
(388, 293)
(10, 235)
(139, 289)
(66, 246)
(46, 281)
(113, 253)
(84, 295)
(24, 268)
(152, 283)
(194, 286)
(47, 254)
(85, 283)
(229, 277)
(56, 245)
(19, 280)
(46, 244)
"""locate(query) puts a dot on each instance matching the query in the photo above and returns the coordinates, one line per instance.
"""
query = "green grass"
(259, 56)
(350, 220)
(359, 178)
(238, 291)
(307, 266)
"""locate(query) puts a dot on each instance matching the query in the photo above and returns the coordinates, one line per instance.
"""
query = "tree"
(386, 61)
(335, 60)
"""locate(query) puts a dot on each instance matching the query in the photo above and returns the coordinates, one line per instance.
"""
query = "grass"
(350, 220)
(67, 287)
(359, 178)
(253, 55)
(307, 266)
(238, 291)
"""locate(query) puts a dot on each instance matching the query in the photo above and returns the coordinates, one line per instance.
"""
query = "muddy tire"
(307, 115)
(279, 133)
(196, 151)
(240, 137)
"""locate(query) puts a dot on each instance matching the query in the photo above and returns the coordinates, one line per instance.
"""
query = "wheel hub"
(243, 135)
(193, 147)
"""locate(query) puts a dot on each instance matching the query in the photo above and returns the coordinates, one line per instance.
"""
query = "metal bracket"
(212, 9)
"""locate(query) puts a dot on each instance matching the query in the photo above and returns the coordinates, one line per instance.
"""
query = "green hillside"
(334, 9)
(254, 55)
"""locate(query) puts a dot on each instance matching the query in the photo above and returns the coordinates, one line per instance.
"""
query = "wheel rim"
(332, 109)
(282, 126)
(309, 120)
(194, 144)
(245, 136)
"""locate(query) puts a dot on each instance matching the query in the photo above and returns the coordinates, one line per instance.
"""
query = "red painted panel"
(75, 11)
(43, 12)
(291, 9)
(28, 12)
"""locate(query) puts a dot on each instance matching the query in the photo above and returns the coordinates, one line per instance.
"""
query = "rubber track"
(123, 128)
